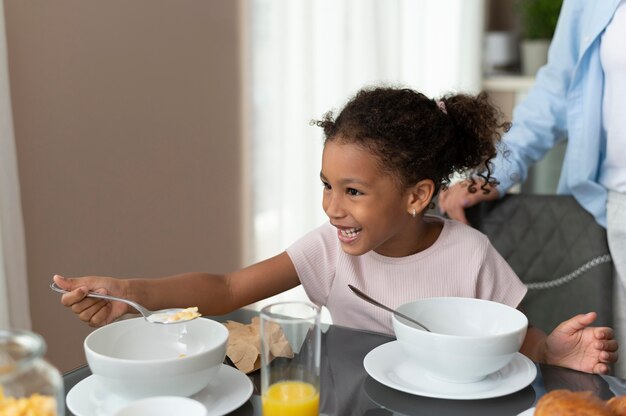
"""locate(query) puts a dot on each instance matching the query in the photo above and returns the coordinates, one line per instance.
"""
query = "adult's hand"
(457, 197)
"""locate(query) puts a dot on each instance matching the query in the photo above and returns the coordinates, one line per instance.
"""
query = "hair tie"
(442, 106)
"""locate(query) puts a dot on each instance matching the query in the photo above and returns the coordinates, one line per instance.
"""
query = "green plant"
(539, 17)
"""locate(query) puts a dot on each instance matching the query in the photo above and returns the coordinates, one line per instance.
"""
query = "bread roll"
(617, 405)
(571, 403)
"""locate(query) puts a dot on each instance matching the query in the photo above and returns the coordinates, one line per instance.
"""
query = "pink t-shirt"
(462, 262)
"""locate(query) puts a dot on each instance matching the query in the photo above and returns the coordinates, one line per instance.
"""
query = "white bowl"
(135, 358)
(163, 406)
(470, 338)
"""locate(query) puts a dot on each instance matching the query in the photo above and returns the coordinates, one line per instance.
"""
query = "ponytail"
(477, 128)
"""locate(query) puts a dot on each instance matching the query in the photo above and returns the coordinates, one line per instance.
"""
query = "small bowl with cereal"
(135, 358)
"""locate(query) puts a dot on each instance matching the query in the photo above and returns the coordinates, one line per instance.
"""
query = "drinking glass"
(290, 386)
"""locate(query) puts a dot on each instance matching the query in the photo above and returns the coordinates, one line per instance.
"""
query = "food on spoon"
(571, 403)
(182, 315)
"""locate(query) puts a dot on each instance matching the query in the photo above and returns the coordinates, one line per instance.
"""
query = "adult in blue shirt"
(579, 95)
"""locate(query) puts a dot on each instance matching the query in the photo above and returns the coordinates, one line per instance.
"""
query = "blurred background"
(154, 137)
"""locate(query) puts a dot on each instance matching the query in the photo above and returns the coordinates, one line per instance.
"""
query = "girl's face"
(365, 204)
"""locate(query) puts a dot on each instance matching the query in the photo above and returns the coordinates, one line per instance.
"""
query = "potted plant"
(538, 20)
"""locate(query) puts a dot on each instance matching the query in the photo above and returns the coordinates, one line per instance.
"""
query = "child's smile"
(347, 235)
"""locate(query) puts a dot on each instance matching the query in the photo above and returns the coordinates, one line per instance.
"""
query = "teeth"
(352, 232)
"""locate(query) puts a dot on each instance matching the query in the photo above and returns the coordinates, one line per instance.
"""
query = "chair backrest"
(557, 249)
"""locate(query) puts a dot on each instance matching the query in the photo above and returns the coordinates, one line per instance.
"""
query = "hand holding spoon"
(387, 308)
(163, 316)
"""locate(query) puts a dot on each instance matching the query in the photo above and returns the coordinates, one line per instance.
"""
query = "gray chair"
(557, 249)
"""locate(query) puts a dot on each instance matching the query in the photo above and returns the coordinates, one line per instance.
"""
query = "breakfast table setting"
(358, 373)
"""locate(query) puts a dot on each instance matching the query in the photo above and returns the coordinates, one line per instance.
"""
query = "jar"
(28, 383)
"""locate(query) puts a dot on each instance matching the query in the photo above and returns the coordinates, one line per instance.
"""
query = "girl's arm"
(573, 344)
(533, 344)
(218, 294)
(213, 294)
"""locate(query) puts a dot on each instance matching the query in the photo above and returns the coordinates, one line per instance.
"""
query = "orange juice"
(291, 398)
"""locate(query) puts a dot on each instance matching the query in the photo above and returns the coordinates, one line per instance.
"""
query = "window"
(310, 56)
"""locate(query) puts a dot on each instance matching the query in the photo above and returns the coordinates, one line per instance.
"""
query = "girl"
(385, 157)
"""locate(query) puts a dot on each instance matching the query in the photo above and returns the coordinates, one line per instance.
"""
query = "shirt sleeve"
(498, 282)
(314, 257)
(540, 121)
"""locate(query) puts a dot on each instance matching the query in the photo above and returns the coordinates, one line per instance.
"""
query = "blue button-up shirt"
(565, 102)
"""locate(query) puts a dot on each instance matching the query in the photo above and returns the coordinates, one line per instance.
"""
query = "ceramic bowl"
(470, 338)
(163, 406)
(135, 358)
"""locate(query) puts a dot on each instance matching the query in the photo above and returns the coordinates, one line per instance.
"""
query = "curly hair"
(416, 138)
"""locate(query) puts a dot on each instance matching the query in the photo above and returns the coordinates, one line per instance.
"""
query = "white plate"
(528, 412)
(388, 364)
(230, 389)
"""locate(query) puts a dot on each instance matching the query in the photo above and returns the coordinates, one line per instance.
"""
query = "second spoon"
(385, 307)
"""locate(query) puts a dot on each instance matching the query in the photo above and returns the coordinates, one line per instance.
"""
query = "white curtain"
(14, 309)
(310, 56)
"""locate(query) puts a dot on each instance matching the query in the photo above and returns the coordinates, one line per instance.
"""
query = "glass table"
(347, 389)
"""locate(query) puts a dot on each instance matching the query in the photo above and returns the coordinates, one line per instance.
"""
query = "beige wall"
(128, 132)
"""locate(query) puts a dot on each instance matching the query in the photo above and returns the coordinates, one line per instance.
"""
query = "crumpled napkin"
(244, 344)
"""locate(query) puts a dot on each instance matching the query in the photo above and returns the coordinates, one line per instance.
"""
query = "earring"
(414, 214)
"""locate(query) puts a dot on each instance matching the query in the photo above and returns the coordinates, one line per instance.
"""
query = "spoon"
(387, 308)
(163, 316)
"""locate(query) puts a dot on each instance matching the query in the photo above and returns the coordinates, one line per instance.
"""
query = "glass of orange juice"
(290, 359)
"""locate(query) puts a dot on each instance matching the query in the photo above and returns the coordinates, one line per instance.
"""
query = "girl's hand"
(95, 312)
(574, 344)
(457, 197)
